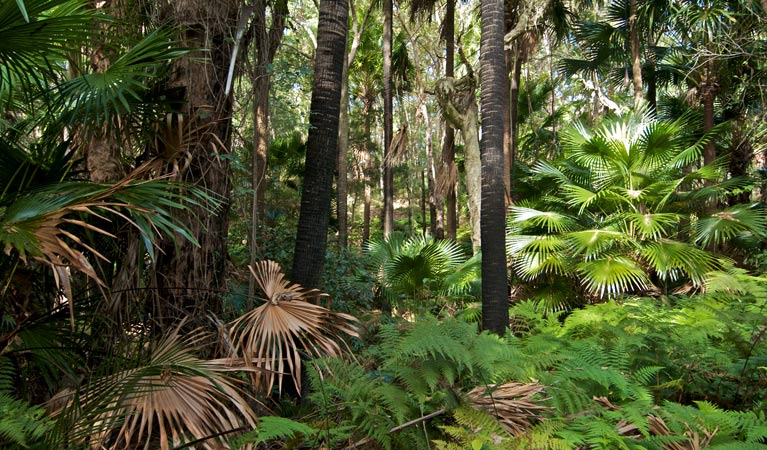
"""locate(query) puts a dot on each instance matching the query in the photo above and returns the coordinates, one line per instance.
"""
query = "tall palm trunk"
(190, 278)
(321, 149)
(388, 176)
(448, 148)
(495, 311)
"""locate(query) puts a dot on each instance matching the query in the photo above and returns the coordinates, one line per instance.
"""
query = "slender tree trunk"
(516, 77)
(266, 40)
(343, 149)
(508, 160)
(495, 292)
(636, 58)
(436, 214)
(321, 151)
(368, 168)
(423, 202)
(448, 143)
(388, 173)
(708, 95)
(343, 127)
(190, 278)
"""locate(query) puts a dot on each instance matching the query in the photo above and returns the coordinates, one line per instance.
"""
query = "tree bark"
(321, 151)
(343, 127)
(388, 173)
(459, 105)
(190, 279)
(266, 41)
(448, 144)
(495, 293)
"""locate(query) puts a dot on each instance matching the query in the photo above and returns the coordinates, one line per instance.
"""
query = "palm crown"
(622, 212)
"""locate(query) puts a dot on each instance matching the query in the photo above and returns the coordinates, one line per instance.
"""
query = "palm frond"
(551, 221)
(175, 398)
(735, 221)
(272, 336)
(610, 276)
(672, 259)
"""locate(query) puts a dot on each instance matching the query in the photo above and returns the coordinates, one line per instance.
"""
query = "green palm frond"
(653, 225)
(591, 243)
(122, 88)
(672, 260)
(33, 45)
(732, 222)
(610, 276)
(550, 221)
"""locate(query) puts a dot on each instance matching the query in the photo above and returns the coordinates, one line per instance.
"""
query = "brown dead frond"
(696, 440)
(447, 178)
(175, 398)
(513, 404)
(272, 336)
(398, 148)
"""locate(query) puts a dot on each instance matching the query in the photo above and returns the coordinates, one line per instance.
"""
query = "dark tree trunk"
(321, 148)
(189, 279)
(495, 310)
(507, 124)
(448, 148)
(388, 173)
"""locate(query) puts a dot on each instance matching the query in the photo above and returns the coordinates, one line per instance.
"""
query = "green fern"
(21, 425)
(271, 428)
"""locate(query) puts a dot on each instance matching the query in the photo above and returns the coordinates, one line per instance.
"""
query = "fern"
(21, 425)
(272, 428)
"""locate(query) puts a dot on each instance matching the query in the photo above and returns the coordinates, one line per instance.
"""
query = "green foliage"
(21, 425)
(419, 272)
(271, 428)
(620, 214)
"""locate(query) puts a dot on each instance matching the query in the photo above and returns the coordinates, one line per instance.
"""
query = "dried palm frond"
(511, 403)
(272, 336)
(447, 178)
(398, 148)
(175, 398)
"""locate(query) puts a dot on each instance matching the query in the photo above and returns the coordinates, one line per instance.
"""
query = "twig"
(399, 427)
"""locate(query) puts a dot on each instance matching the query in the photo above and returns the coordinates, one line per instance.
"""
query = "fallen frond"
(513, 404)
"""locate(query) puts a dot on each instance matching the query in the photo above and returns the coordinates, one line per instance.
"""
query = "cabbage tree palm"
(619, 213)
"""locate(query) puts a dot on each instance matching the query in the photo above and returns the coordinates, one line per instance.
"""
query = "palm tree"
(618, 214)
(388, 174)
(311, 236)
(495, 311)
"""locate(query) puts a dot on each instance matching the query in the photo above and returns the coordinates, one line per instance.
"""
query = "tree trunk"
(266, 40)
(343, 129)
(343, 150)
(189, 278)
(516, 77)
(388, 173)
(321, 149)
(495, 292)
(708, 94)
(448, 144)
(508, 160)
(636, 59)
(459, 105)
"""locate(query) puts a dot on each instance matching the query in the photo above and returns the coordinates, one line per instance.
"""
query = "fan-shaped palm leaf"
(613, 275)
(175, 398)
(550, 221)
(97, 98)
(653, 225)
(594, 242)
(33, 40)
(672, 259)
(735, 221)
(272, 336)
